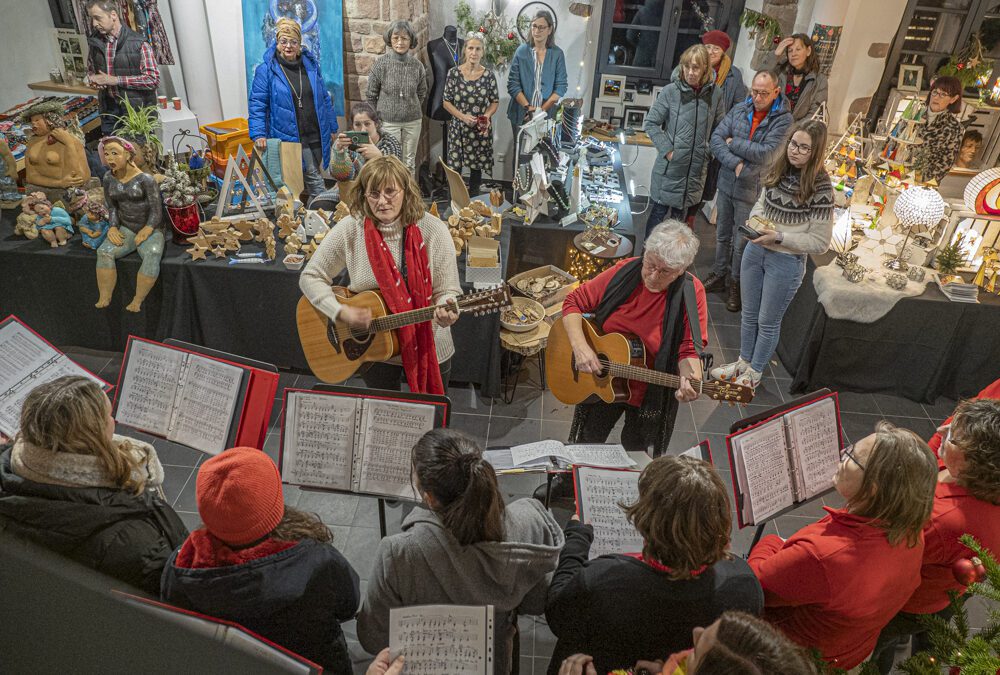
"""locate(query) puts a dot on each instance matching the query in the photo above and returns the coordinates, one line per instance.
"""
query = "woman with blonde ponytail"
(69, 483)
(463, 547)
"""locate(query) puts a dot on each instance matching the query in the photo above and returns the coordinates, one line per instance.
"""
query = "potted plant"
(949, 260)
(139, 126)
(179, 196)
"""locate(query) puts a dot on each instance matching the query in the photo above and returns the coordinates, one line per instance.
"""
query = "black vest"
(127, 63)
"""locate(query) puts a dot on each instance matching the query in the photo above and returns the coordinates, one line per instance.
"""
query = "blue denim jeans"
(659, 212)
(729, 243)
(768, 283)
(311, 167)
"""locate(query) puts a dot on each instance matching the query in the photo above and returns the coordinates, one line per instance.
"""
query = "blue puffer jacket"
(756, 153)
(272, 110)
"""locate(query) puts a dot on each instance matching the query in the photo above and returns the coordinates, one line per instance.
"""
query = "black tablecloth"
(923, 348)
(246, 309)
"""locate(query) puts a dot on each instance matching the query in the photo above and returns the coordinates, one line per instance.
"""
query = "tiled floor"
(535, 415)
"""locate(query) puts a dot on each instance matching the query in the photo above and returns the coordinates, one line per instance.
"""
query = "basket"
(519, 304)
(226, 136)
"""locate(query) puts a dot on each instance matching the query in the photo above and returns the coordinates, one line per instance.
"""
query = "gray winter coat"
(681, 121)
(425, 565)
(814, 86)
(756, 153)
(733, 89)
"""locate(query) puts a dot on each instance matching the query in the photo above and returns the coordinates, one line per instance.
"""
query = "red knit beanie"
(718, 38)
(239, 495)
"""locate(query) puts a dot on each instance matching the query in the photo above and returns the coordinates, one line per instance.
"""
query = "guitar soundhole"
(357, 344)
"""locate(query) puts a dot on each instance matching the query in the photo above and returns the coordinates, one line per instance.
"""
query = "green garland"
(970, 65)
(499, 34)
(758, 22)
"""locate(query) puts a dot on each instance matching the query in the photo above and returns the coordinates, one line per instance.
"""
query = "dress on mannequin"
(444, 53)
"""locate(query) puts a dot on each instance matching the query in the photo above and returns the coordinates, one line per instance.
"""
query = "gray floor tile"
(476, 426)
(922, 426)
(778, 369)
(271, 445)
(466, 398)
(554, 409)
(555, 429)
(681, 440)
(360, 549)
(508, 431)
(93, 360)
(192, 521)
(728, 335)
(768, 393)
(713, 418)
(527, 404)
(897, 406)
(174, 479)
(854, 402)
(857, 426)
(175, 454)
(527, 664)
(185, 499)
(941, 409)
(332, 508)
(545, 641)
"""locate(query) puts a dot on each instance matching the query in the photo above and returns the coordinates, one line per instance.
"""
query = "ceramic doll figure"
(55, 158)
(25, 225)
(93, 224)
(10, 198)
(135, 219)
(53, 223)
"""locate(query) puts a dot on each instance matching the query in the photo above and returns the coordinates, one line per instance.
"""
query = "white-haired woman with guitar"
(390, 244)
(642, 297)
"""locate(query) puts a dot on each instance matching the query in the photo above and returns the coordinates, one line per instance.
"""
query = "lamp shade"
(919, 206)
(983, 192)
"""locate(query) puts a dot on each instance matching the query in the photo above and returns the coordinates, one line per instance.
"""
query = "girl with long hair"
(463, 547)
(69, 483)
(797, 205)
(264, 565)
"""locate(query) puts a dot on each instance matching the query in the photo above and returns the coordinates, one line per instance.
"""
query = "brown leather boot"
(733, 303)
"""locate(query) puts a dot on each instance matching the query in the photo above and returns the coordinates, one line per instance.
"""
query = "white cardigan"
(344, 246)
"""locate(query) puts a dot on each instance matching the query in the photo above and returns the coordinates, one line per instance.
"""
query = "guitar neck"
(394, 321)
(640, 374)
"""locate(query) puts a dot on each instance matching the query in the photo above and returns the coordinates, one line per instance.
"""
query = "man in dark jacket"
(744, 143)
(120, 64)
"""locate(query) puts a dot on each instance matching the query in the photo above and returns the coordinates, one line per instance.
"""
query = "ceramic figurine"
(55, 158)
(25, 225)
(10, 198)
(93, 224)
(53, 223)
(135, 219)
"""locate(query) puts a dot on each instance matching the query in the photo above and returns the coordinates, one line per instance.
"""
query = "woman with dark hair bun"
(799, 78)
(941, 131)
(463, 547)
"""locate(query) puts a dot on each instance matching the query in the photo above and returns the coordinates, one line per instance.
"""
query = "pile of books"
(957, 291)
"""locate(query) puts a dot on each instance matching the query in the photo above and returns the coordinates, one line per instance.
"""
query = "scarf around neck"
(782, 205)
(416, 342)
(724, 65)
(66, 469)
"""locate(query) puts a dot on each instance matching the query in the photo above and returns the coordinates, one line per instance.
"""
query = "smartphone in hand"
(357, 138)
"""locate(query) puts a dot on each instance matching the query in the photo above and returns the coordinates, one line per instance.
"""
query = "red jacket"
(835, 584)
(955, 513)
(992, 391)
(641, 315)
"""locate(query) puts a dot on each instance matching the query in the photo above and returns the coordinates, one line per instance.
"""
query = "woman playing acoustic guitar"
(390, 244)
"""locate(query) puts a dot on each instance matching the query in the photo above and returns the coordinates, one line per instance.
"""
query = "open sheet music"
(182, 396)
(26, 361)
(350, 443)
(554, 454)
(785, 460)
(443, 639)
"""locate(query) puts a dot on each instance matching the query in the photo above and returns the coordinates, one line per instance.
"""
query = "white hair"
(674, 243)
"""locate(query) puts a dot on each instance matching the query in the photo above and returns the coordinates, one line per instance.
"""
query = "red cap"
(718, 38)
(239, 495)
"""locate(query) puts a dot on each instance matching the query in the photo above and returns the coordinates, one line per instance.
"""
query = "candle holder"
(916, 274)
(895, 281)
(846, 258)
(854, 272)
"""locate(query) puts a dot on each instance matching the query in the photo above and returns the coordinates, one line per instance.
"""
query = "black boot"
(734, 304)
(715, 283)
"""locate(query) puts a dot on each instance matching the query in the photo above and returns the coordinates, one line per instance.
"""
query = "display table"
(925, 347)
(247, 310)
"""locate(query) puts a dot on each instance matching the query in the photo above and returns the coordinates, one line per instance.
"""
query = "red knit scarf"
(416, 342)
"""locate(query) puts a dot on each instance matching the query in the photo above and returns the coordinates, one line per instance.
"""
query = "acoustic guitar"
(335, 351)
(623, 358)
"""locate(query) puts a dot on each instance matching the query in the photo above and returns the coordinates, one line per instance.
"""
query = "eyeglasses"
(400, 38)
(756, 93)
(848, 452)
(796, 147)
(937, 93)
(285, 42)
(653, 269)
(388, 193)
(539, 26)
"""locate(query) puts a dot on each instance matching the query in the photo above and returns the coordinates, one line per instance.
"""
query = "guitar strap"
(691, 306)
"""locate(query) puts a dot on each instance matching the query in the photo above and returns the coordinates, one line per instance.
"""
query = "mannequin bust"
(444, 53)
(55, 158)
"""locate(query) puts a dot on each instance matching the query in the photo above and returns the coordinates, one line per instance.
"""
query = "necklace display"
(452, 49)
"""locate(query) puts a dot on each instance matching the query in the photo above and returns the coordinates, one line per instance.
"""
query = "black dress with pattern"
(466, 146)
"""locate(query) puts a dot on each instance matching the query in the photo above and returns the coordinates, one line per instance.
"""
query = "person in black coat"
(69, 483)
(263, 565)
(628, 607)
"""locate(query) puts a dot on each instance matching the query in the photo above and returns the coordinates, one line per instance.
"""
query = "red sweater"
(955, 513)
(835, 584)
(641, 315)
(991, 391)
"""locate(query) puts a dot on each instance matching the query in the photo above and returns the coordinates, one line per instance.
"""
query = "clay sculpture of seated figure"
(93, 223)
(135, 218)
(55, 158)
(52, 222)
(10, 198)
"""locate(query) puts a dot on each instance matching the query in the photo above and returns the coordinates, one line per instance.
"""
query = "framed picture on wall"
(612, 88)
(634, 117)
(910, 77)
(615, 122)
(629, 96)
(606, 110)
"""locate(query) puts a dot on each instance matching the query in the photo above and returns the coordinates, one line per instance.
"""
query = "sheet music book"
(443, 639)
(555, 454)
(785, 460)
(26, 361)
(599, 493)
(355, 444)
(180, 395)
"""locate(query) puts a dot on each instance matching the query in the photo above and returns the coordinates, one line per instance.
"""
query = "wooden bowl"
(521, 306)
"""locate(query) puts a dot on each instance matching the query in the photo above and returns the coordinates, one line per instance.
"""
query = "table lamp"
(916, 207)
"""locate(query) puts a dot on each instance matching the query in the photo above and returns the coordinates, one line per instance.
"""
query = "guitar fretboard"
(640, 374)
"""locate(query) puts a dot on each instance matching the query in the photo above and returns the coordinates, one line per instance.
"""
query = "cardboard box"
(552, 297)
(482, 261)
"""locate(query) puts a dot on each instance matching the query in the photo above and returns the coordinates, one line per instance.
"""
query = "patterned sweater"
(344, 247)
(806, 228)
(397, 87)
